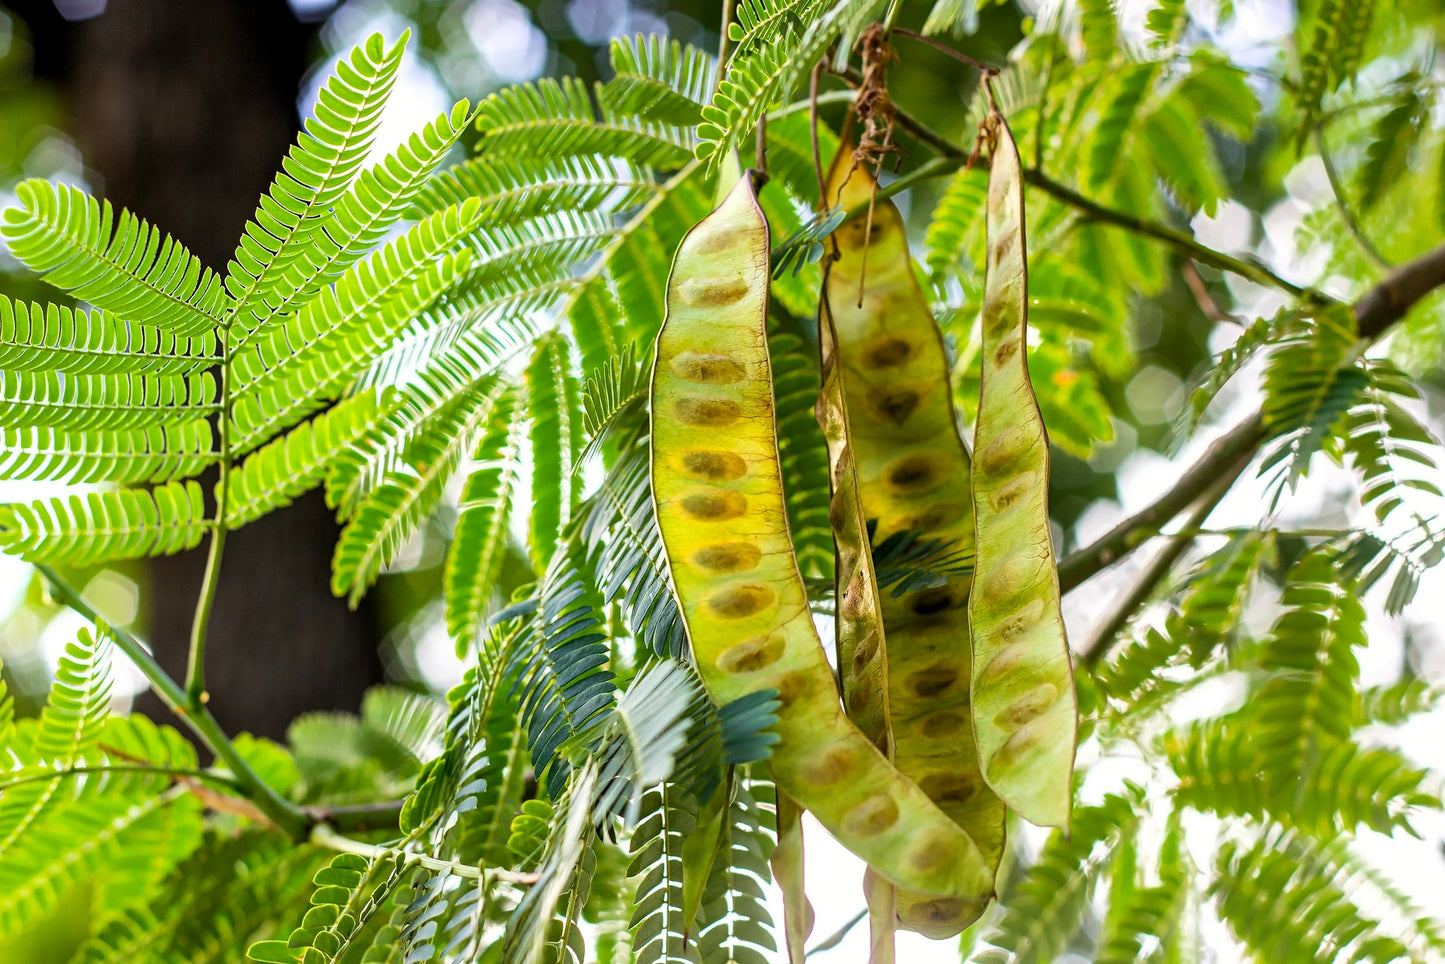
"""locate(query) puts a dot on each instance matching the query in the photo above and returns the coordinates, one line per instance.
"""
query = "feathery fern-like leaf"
(556, 436)
(1286, 910)
(658, 80)
(391, 513)
(159, 453)
(659, 928)
(734, 924)
(625, 547)
(277, 473)
(299, 365)
(1309, 385)
(54, 338)
(132, 270)
(315, 172)
(559, 666)
(641, 738)
(1043, 911)
(97, 527)
(484, 513)
(377, 197)
(109, 401)
(68, 729)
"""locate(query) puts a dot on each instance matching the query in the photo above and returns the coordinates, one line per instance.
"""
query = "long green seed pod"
(720, 510)
(913, 474)
(862, 651)
(1025, 717)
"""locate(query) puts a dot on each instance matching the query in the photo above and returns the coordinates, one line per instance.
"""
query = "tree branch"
(199, 720)
(1375, 312)
(1238, 443)
(1388, 301)
(1099, 643)
(952, 157)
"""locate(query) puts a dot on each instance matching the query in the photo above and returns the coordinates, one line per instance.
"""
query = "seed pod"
(786, 862)
(862, 650)
(913, 474)
(720, 510)
(1025, 717)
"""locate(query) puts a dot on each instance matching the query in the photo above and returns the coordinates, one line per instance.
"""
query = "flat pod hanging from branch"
(1025, 717)
(861, 647)
(913, 475)
(718, 489)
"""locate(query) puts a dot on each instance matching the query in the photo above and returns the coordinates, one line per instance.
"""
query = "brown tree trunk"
(185, 109)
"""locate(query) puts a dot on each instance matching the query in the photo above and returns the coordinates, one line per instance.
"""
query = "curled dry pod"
(719, 494)
(913, 474)
(1025, 717)
(862, 652)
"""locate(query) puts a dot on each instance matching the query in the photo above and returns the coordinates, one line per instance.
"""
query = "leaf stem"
(722, 43)
(178, 772)
(952, 157)
(324, 836)
(199, 720)
(196, 695)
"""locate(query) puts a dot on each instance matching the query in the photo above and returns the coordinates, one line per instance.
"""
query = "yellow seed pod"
(913, 474)
(861, 647)
(1025, 717)
(719, 495)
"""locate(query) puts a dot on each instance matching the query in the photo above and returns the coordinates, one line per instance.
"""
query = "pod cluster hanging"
(952, 703)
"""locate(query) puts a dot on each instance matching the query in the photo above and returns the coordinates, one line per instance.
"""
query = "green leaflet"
(96, 527)
(134, 272)
(482, 536)
(159, 453)
(373, 202)
(658, 925)
(54, 338)
(554, 398)
(118, 401)
(734, 925)
(350, 892)
(295, 366)
(392, 512)
(323, 161)
(277, 473)
(720, 508)
(913, 473)
(1024, 714)
(68, 729)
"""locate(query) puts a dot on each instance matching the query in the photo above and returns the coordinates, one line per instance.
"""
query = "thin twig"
(199, 720)
(1202, 297)
(1128, 535)
(836, 938)
(722, 43)
(953, 157)
(1099, 643)
(383, 814)
(1337, 190)
(945, 49)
